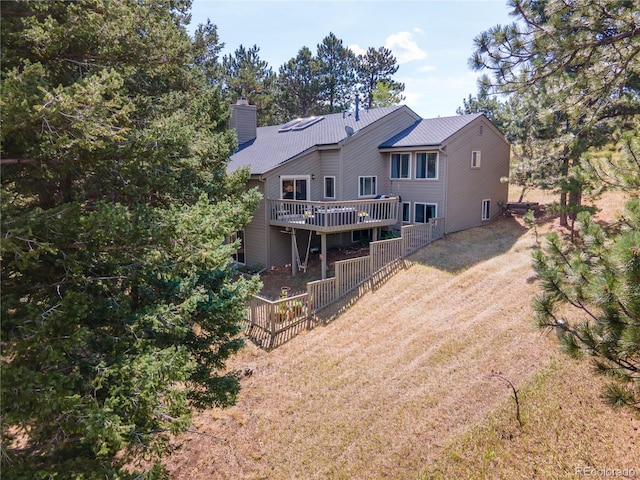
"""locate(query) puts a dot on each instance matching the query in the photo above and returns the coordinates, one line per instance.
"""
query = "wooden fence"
(272, 322)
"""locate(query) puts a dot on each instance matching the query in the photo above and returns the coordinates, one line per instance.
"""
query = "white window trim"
(372, 195)
(408, 177)
(431, 179)
(324, 186)
(485, 202)
(425, 204)
(402, 212)
(476, 159)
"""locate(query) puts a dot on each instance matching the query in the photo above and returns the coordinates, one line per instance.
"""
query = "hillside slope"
(400, 383)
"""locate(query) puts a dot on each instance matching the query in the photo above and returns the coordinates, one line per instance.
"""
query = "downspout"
(267, 232)
(445, 164)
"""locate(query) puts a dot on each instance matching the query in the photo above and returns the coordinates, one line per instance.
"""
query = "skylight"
(287, 126)
(299, 124)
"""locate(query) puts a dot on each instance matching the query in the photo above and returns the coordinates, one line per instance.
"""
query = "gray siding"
(361, 156)
(313, 163)
(458, 192)
(419, 190)
(467, 187)
(280, 247)
(255, 232)
(330, 166)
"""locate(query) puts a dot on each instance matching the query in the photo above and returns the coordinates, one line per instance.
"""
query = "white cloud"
(357, 49)
(404, 47)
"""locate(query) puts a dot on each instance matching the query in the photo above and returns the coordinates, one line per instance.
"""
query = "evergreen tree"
(584, 54)
(206, 42)
(598, 277)
(247, 76)
(337, 74)
(386, 94)
(581, 61)
(373, 67)
(486, 104)
(120, 303)
(299, 86)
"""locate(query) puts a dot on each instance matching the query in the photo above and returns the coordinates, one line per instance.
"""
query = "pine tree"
(599, 277)
(208, 47)
(120, 302)
(337, 74)
(386, 94)
(584, 55)
(373, 67)
(299, 86)
(580, 60)
(247, 76)
(575, 68)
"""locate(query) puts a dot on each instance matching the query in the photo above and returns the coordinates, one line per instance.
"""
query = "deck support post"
(323, 254)
(294, 257)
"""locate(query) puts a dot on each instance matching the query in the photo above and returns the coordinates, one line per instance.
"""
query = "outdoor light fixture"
(313, 176)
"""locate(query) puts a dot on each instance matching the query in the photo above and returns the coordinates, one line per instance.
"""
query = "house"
(340, 178)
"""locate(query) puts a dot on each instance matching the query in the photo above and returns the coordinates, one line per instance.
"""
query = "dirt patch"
(273, 280)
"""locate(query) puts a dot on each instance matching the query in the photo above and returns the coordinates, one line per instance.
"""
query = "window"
(238, 254)
(486, 209)
(427, 165)
(295, 188)
(400, 165)
(475, 159)
(367, 187)
(406, 212)
(424, 211)
(329, 187)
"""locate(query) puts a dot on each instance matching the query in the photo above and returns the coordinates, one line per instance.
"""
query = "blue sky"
(431, 39)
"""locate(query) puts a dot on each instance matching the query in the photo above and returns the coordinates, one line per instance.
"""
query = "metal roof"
(275, 145)
(272, 147)
(429, 132)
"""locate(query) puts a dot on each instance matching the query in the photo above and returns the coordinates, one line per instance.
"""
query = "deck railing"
(271, 322)
(334, 216)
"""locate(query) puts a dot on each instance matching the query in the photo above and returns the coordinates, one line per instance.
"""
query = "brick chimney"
(244, 120)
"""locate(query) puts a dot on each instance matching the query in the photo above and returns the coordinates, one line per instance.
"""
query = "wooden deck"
(273, 322)
(333, 217)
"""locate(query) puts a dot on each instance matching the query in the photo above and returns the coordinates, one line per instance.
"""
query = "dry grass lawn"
(399, 386)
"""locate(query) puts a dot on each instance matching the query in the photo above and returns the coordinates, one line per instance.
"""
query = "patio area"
(280, 276)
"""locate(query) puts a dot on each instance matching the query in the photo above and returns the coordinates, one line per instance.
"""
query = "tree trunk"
(563, 209)
(563, 194)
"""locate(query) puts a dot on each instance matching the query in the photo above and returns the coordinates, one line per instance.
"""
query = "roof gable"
(278, 144)
(430, 132)
(275, 145)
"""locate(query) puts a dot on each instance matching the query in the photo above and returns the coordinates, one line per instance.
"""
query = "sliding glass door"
(294, 187)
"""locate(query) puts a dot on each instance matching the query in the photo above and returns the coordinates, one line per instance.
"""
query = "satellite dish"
(349, 130)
